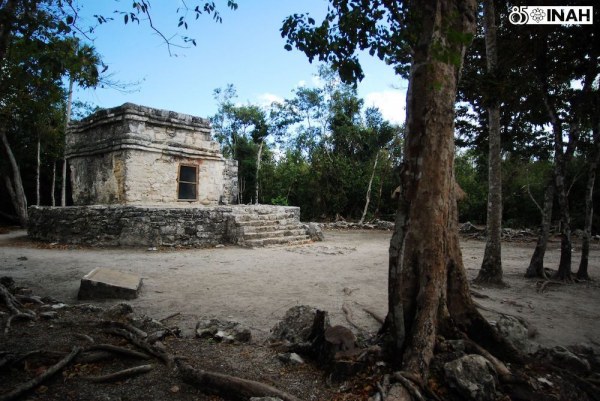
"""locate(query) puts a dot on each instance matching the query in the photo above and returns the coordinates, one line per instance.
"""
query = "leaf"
(126, 19)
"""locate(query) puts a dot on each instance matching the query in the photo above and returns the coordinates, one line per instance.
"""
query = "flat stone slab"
(102, 283)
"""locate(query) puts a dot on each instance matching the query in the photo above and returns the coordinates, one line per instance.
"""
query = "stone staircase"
(264, 225)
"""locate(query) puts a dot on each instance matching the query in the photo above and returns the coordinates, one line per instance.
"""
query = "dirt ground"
(256, 286)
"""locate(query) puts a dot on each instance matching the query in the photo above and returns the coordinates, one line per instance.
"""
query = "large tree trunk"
(63, 192)
(564, 266)
(368, 196)
(491, 267)
(15, 185)
(582, 272)
(536, 264)
(428, 288)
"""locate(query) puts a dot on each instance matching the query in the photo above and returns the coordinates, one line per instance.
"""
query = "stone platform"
(171, 226)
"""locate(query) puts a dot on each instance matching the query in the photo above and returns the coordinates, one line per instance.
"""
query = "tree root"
(542, 285)
(140, 343)
(412, 388)
(85, 337)
(118, 350)
(17, 316)
(121, 374)
(350, 318)
(14, 306)
(10, 301)
(124, 326)
(372, 313)
(29, 299)
(503, 372)
(171, 316)
(31, 384)
(229, 386)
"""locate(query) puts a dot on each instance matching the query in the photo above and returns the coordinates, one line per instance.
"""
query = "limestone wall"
(131, 155)
(128, 225)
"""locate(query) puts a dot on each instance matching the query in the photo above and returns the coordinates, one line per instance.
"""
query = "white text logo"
(547, 15)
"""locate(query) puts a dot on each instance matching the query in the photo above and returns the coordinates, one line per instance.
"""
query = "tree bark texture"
(491, 267)
(536, 264)
(63, 192)
(582, 272)
(15, 185)
(564, 266)
(428, 287)
(368, 196)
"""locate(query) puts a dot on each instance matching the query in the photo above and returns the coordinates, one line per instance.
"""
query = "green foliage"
(40, 52)
(384, 29)
(319, 149)
(280, 200)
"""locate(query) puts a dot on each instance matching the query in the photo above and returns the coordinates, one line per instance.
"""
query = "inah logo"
(549, 15)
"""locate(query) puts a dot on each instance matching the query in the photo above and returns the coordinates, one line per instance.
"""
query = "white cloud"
(391, 103)
(301, 83)
(265, 99)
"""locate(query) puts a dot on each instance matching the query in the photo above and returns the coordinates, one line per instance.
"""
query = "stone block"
(102, 283)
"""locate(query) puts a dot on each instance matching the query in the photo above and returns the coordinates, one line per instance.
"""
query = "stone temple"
(136, 155)
(149, 177)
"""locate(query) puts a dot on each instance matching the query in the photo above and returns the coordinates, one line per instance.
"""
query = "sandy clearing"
(256, 286)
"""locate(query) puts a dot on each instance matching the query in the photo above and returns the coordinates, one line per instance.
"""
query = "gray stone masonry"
(151, 226)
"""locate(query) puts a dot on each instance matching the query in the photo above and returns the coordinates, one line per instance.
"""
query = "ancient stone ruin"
(136, 155)
(143, 176)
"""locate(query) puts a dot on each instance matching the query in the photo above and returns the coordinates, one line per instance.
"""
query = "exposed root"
(350, 317)
(409, 385)
(85, 337)
(543, 285)
(503, 372)
(476, 294)
(15, 307)
(36, 381)
(229, 386)
(118, 350)
(10, 301)
(140, 343)
(29, 299)
(121, 374)
(171, 316)
(124, 326)
(17, 316)
(373, 314)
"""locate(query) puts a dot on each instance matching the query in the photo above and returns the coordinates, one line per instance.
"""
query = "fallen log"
(229, 386)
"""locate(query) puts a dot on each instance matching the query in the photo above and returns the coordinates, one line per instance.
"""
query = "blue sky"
(245, 50)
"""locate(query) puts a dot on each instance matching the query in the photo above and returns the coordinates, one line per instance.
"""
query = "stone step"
(275, 234)
(290, 240)
(271, 227)
(261, 217)
(262, 223)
